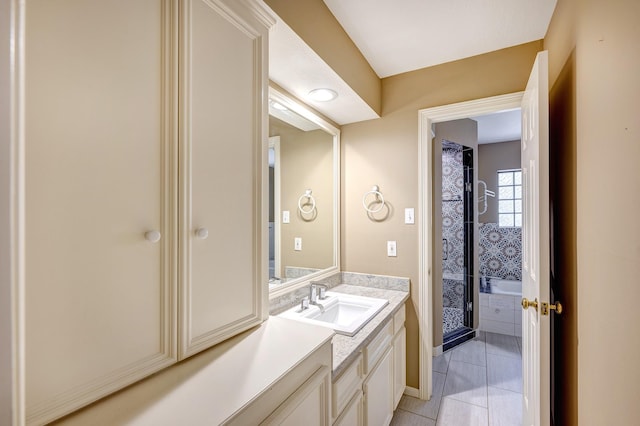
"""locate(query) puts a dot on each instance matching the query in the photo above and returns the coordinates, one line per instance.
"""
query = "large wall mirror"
(304, 165)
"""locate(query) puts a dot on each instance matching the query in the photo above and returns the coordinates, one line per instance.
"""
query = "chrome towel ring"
(309, 200)
(375, 191)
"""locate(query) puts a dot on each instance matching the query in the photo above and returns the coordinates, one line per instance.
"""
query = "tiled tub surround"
(500, 251)
(346, 349)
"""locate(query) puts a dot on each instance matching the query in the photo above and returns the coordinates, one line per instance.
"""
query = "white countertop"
(214, 385)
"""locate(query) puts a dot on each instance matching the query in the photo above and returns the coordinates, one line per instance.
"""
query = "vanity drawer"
(398, 320)
(376, 349)
(344, 388)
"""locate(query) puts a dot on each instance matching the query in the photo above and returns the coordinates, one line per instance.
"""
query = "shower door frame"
(469, 227)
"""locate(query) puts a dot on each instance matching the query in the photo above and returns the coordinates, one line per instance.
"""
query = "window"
(510, 198)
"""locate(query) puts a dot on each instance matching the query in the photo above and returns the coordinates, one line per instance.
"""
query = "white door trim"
(427, 117)
(12, 213)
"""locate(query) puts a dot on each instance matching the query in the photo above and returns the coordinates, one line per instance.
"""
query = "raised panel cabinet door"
(309, 405)
(221, 149)
(353, 414)
(378, 392)
(100, 199)
(399, 365)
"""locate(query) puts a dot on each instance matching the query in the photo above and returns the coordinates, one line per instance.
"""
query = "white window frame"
(513, 213)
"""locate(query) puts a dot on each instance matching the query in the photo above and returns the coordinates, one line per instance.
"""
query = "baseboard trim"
(413, 392)
(437, 351)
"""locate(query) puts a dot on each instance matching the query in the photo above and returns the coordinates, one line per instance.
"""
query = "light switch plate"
(409, 216)
(297, 243)
(391, 249)
(285, 216)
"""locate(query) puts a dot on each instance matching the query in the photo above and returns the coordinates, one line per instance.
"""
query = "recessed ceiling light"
(322, 95)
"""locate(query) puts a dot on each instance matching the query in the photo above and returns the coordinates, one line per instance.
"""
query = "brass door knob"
(526, 304)
(555, 307)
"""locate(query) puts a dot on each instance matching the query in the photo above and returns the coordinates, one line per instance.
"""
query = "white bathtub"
(513, 288)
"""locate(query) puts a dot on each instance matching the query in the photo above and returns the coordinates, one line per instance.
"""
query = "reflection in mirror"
(303, 198)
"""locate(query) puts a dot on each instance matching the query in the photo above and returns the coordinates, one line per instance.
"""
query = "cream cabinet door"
(100, 304)
(378, 392)
(221, 157)
(309, 405)
(353, 414)
(399, 365)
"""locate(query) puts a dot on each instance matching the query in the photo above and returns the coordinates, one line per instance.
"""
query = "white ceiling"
(397, 36)
(499, 127)
(298, 69)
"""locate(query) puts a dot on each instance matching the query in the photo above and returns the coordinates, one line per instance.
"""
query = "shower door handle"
(445, 249)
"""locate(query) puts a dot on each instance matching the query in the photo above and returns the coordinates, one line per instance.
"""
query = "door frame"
(426, 118)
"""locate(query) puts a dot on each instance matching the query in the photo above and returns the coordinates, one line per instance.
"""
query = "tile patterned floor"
(477, 383)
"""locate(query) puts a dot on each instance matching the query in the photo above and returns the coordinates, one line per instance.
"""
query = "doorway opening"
(428, 250)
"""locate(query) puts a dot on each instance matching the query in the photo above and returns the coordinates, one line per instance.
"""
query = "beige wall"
(491, 158)
(315, 24)
(595, 63)
(384, 152)
(608, 198)
(306, 162)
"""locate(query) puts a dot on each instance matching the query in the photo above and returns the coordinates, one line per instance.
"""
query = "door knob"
(529, 303)
(555, 307)
(202, 233)
(152, 236)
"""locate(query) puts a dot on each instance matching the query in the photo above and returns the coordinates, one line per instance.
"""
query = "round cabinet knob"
(202, 233)
(152, 236)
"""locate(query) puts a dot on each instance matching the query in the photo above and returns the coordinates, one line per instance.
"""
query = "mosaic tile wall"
(452, 209)
(452, 293)
(500, 251)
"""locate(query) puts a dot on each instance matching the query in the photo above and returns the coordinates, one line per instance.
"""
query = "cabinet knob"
(152, 236)
(202, 233)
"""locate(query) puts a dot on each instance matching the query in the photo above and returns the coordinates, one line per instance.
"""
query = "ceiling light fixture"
(322, 95)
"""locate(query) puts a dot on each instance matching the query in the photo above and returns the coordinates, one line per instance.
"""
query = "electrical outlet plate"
(297, 243)
(285, 216)
(391, 249)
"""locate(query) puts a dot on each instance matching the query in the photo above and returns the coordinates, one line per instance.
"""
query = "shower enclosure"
(458, 203)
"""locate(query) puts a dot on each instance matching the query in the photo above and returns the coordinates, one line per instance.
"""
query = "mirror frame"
(306, 112)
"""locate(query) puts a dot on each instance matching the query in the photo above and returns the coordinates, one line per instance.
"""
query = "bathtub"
(509, 287)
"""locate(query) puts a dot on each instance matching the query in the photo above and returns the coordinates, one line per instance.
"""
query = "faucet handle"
(304, 304)
(323, 293)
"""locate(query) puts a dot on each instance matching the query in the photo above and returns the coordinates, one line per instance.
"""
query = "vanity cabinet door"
(399, 366)
(221, 158)
(378, 392)
(353, 414)
(99, 199)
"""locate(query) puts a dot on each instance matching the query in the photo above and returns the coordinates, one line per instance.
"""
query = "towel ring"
(375, 191)
(310, 199)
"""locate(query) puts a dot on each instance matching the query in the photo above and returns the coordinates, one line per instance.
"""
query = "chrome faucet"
(313, 294)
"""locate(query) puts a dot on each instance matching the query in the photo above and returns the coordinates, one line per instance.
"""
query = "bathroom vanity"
(369, 368)
(369, 373)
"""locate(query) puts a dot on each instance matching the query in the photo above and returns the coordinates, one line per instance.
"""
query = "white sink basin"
(344, 313)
